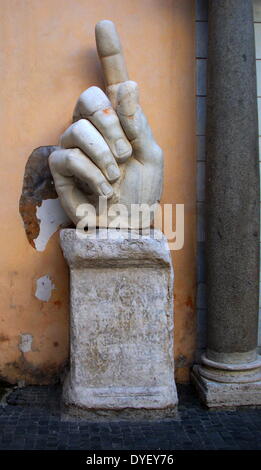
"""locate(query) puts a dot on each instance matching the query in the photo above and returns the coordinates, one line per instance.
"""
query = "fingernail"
(122, 147)
(106, 189)
(113, 172)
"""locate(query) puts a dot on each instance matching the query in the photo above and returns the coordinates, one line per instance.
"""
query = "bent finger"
(83, 135)
(95, 106)
(68, 163)
(135, 124)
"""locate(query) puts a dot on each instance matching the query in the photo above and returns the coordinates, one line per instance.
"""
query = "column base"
(222, 395)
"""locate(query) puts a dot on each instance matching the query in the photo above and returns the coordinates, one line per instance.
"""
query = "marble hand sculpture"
(109, 152)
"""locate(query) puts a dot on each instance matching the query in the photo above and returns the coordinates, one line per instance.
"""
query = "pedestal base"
(121, 324)
(74, 412)
(221, 395)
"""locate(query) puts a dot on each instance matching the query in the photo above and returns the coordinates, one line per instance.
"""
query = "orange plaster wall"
(47, 59)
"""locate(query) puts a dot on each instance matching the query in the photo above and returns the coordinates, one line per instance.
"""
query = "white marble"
(109, 151)
(121, 323)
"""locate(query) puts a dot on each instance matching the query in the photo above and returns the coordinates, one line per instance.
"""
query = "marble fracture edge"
(226, 395)
(116, 249)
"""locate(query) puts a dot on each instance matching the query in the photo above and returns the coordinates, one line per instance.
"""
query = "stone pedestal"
(121, 356)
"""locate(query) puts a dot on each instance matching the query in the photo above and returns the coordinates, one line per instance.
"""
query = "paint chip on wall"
(50, 215)
(44, 287)
(25, 344)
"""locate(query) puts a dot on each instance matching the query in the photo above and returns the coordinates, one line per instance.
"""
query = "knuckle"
(90, 93)
(91, 100)
(131, 84)
(74, 133)
(69, 158)
(76, 128)
(84, 99)
(54, 158)
(107, 121)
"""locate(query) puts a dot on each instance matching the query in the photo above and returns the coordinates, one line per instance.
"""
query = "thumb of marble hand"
(135, 124)
(129, 111)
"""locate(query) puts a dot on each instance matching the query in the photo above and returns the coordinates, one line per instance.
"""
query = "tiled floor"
(31, 419)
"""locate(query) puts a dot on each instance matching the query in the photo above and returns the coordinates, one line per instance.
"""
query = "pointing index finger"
(110, 53)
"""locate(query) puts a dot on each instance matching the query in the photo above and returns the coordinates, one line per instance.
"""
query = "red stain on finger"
(107, 110)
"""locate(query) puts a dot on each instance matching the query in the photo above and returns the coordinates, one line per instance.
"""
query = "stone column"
(121, 359)
(230, 372)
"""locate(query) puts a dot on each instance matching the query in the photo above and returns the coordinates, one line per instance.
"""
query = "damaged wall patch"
(44, 287)
(25, 344)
